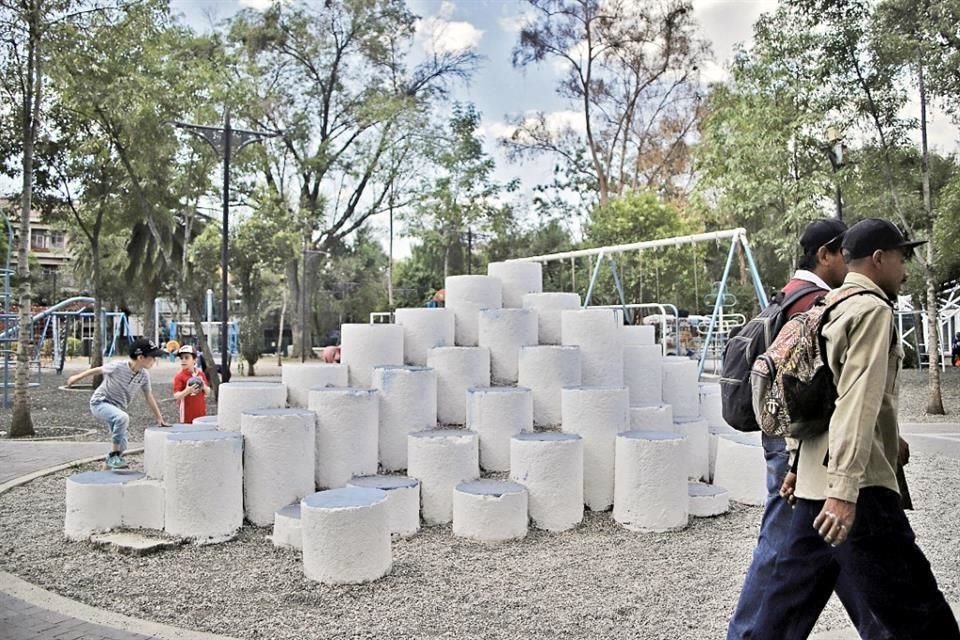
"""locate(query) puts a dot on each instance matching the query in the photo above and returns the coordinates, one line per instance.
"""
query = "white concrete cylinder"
(546, 370)
(278, 460)
(346, 536)
(741, 469)
(403, 501)
(639, 335)
(497, 414)
(287, 530)
(458, 369)
(711, 407)
(518, 279)
(348, 424)
(300, 378)
(658, 417)
(504, 332)
(597, 414)
(550, 466)
(597, 333)
(203, 477)
(441, 459)
(423, 329)
(209, 421)
(236, 397)
(651, 487)
(715, 433)
(680, 388)
(153, 439)
(143, 504)
(490, 510)
(95, 502)
(466, 296)
(707, 500)
(365, 346)
(642, 374)
(408, 403)
(698, 446)
(549, 307)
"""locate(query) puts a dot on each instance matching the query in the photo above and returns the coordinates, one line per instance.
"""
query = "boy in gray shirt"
(120, 380)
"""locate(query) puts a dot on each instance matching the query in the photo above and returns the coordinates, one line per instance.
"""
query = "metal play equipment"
(736, 237)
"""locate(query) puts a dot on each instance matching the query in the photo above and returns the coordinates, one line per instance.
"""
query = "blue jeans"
(773, 540)
(880, 560)
(115, 420)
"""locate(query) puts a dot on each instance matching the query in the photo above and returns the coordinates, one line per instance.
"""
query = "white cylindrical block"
(365, 346)
(518, 279)
(458, 369)
(715, 433)
(95, 502)
(490, 510)
(549, 307)
(597, 333)
(741, 469)
(466, 296)
(711, 407)
(698, 446)
(504, 332)
(143, 504)
(550, 466)
(423, 329)
(236, 397)
(278, 460)
(287, 531)
(346, 536)
(680, 388)
(639, 335)
(497, 414)
(597, 414)
(546, 370)
(707, 500)
(348, 423)
(209, 421)
(651, 487)
(300, 378)
(658, 417)
(153, 439)
(403, 501)
(642, 374)
(441, 459)
(203, 478)
(408, 403)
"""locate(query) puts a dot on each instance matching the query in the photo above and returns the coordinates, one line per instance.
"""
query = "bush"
(74, 345)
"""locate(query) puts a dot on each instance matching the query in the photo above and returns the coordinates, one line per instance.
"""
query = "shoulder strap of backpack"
(859, 292)
(788, 301)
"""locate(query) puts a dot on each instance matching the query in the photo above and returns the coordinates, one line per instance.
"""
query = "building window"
(39, 241)
(57, 240)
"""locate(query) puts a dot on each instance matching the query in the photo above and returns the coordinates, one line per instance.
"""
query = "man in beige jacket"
(848, 517)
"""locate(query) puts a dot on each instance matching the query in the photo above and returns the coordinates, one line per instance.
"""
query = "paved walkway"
(21, 458)
(21, 620)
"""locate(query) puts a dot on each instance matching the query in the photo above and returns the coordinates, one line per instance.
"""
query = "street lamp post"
(225, 141)
(835, 153)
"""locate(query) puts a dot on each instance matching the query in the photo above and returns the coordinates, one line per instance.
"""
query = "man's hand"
(903, 453)
(835, 520)
(788, 487)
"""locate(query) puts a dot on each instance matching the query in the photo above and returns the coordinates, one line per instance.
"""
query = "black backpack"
(744, 346)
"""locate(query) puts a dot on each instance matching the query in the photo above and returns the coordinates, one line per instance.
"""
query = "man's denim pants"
(115, 419)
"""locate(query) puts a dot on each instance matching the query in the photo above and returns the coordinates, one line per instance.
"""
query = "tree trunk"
(150, 312)
(293, 294)
(96, 354)
(283, 313)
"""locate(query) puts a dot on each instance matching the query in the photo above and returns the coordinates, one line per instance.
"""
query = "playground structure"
(172, 322)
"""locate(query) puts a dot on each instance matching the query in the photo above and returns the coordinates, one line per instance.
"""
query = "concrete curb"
(22, 480)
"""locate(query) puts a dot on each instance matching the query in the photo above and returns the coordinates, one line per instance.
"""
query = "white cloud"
(259, 5)
(438, 34)
(515, 24)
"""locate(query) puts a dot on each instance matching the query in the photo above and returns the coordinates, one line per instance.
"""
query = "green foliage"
(74, 346)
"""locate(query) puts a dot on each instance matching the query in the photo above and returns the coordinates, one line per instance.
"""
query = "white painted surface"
(497, 414)
(549, 307)
(143, 504)
(423, 329)
(643, 374)
(715, 433)
(301, 377)
(711, 404)
(698, 446)
(490, 510)
(458, 369)
(403, 501)
(546, 370)
(653, 418)
(518, 279)
(680, 386)
(635, 335)
(95, 502)
(287, 531)
(278, 460)
(346, 536)
(408, 403)
(651, 488)
(741, 469)
(203, 478)
(550, 466)
(596, 414)
(504, 332)
(153, 439)
(707, 500)
(597, 333)
(466, 296)
(441, 459)
(348, 424)
(210, 421)
(237, 397)
(365, 346)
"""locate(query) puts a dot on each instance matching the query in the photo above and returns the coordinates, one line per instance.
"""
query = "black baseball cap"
(143, 347)
(821, 232)
(876, 234)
